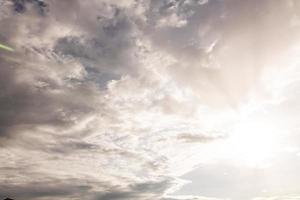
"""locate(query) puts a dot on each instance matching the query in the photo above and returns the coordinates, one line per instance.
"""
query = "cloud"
(145, 190)
(278, 198)
(37, 190)
(60, 116)
(189, 198)
(115, 99)
(186, 137)
(20, 6)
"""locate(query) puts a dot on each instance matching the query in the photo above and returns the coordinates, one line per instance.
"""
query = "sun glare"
(253, 142)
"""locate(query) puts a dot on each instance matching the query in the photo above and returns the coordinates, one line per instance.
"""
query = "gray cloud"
(31, 100)
(20, 6)
(147, 190)
(37, 190)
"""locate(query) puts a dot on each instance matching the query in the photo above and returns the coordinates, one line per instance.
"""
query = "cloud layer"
(113, 100)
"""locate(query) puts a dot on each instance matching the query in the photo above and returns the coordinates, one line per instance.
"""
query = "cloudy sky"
(150, 100)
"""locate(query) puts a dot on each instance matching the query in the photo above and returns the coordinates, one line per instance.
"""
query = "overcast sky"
(150, 100)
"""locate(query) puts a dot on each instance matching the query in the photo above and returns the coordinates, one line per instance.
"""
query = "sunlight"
(253, 142)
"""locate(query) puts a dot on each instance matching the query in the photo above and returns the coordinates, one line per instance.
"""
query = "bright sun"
(253, 141)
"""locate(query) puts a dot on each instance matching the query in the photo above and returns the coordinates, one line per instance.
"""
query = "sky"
(150, 99)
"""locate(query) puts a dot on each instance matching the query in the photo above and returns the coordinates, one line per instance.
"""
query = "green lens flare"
(7, 48)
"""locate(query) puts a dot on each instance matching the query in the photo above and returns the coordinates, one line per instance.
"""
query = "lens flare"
(7, 48)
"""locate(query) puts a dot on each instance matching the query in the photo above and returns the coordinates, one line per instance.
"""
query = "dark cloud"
(104, 55)
(72, 189)
(152, 187)
(118, 195)
(66, 147)
(20, 6)
(33, 103)
(146, 190)
(37, 190)
(30, 96)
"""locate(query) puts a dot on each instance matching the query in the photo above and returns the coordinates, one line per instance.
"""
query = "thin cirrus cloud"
(113, 100)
